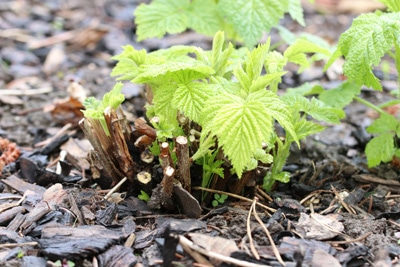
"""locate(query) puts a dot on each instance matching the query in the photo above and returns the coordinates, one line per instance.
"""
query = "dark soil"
(334, 212)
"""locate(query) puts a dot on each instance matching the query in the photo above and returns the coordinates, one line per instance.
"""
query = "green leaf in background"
(161, 17)
(128, 63)
(296, 52)
(340, 96)
(250, 18)
(384, 124)
(380, 149)
(296, 11)
(203, 17)
(365, 43)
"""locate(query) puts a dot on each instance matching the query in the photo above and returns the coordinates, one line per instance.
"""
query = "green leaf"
(128, 63)
(340, 96)
(304, 90)
(190, 98)
(250, 18)
(114, 98)
(241, 125)
(365, 43)
(203, 17)
(392, 5)
(306, 128)
(162, 103)
(274, 62)
(151, 72)
(220, 56)
(315, 108)
(296, 53)
(385, 123)
(161, 17)
(321, 112)
(380, 149)
(296, 11)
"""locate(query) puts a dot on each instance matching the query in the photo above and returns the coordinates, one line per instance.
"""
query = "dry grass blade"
(274, 248)
(268, 209)
(183, 241)
(251, 242)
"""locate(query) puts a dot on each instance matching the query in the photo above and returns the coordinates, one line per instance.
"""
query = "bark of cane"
(182, 152)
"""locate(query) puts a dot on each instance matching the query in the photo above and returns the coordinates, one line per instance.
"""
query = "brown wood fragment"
(182, 152)
(21, 186)
(8, 215)
(60, 241)
(117, 256)
(142, 127)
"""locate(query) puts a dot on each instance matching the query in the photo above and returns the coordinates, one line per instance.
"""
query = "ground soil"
(330, 164)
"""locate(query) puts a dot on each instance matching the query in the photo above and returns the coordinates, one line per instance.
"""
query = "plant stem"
(369, 104)
(182, 152)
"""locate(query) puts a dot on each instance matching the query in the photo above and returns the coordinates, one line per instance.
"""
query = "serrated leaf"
(305, 128)
(319, 111)
(152, 71)
(114, 98)
(385, 123)
(251, 18)
(365, 43)
(241, 125)
(162, 103)
(219, 55)
(128, 63)
(380, 149)
(190, 98)
(304, 90)
(296, 11)
(256, 59)
(263, 81)
(274, 62)
(296, 52)
(203, 17)
(161, 17)
(392, 5)
(340, 96)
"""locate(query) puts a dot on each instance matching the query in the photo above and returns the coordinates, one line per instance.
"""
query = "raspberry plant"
(370, 37)
(230, 96)
(244, 20)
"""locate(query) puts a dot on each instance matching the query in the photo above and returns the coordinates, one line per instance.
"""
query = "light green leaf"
(318, 110)
(365, 43)
(274, 62)
(161, 17)
(203, 17)
(251, 18)
(220, 56)
(340, 96)
(190, 98)
(296, 11)
(263, 81)
(256, 59)
(114, 98)
(305, 128)
(162, 103)
(392, 5)
(304, 90)
(380, 149)
(128, 63)
(240, 126)
(385, 123)
(152, 71)
(296, 53)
